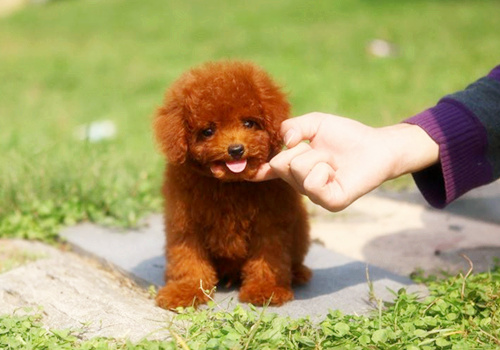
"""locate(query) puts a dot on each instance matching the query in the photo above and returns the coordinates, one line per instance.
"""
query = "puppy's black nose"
(236, 150)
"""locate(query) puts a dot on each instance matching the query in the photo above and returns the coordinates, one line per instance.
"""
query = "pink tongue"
(237, 166)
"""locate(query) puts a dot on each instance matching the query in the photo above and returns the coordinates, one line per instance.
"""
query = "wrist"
(412, 149)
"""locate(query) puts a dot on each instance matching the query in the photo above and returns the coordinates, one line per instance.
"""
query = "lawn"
(73, 62)
(68, 63)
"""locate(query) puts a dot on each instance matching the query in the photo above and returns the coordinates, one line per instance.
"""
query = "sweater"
(466, 126)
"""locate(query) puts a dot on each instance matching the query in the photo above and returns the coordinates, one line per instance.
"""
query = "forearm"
(466, 126)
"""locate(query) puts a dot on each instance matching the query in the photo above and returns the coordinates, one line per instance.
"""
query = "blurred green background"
(68, 63)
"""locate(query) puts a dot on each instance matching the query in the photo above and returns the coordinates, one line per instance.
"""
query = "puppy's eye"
(249, 124)
(208, 132)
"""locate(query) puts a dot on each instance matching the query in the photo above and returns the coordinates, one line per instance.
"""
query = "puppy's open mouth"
(237, 166)
(222, 168)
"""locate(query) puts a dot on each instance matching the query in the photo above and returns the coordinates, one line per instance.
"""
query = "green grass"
(461, 312)
(72, 62)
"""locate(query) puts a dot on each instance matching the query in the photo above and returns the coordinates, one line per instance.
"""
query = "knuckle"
(295, 164)
(276, 163)
(313, 189)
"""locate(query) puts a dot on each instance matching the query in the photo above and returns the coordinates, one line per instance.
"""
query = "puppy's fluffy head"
(222, 119)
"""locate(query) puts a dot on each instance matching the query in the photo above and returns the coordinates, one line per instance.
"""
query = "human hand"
(345, 159)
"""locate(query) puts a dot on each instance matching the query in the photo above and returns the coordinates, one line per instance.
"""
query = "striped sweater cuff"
(462, 143)
(495, 73)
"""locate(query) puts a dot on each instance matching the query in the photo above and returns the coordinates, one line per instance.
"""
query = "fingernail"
(288, 136)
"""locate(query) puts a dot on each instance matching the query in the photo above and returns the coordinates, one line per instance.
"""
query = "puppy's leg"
(301, 241)
(301, 274)
(189, 270)
(267, 276)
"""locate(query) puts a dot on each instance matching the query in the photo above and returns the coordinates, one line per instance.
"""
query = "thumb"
(265, 172)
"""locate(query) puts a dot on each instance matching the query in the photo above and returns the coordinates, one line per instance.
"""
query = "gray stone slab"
(482, 203)
(338, 282)
(403, 237)
(136, 252)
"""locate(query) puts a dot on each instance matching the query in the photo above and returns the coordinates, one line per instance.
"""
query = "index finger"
(300, 128)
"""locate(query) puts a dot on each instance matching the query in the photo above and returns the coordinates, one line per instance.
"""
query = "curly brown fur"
(219, 122)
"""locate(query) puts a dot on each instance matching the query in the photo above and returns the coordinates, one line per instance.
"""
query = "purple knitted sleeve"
(463, 146)
(495, 73)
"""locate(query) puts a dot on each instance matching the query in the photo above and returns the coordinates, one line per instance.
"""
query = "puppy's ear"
(275, 107)
(170, 132)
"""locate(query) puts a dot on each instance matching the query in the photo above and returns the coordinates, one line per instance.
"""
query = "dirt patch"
(75, 291)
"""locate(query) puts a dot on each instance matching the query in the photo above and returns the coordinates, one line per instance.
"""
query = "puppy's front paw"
(261, 294)
(301, 275)
(178, 293)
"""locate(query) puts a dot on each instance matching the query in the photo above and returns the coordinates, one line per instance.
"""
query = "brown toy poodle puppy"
(219, 122)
